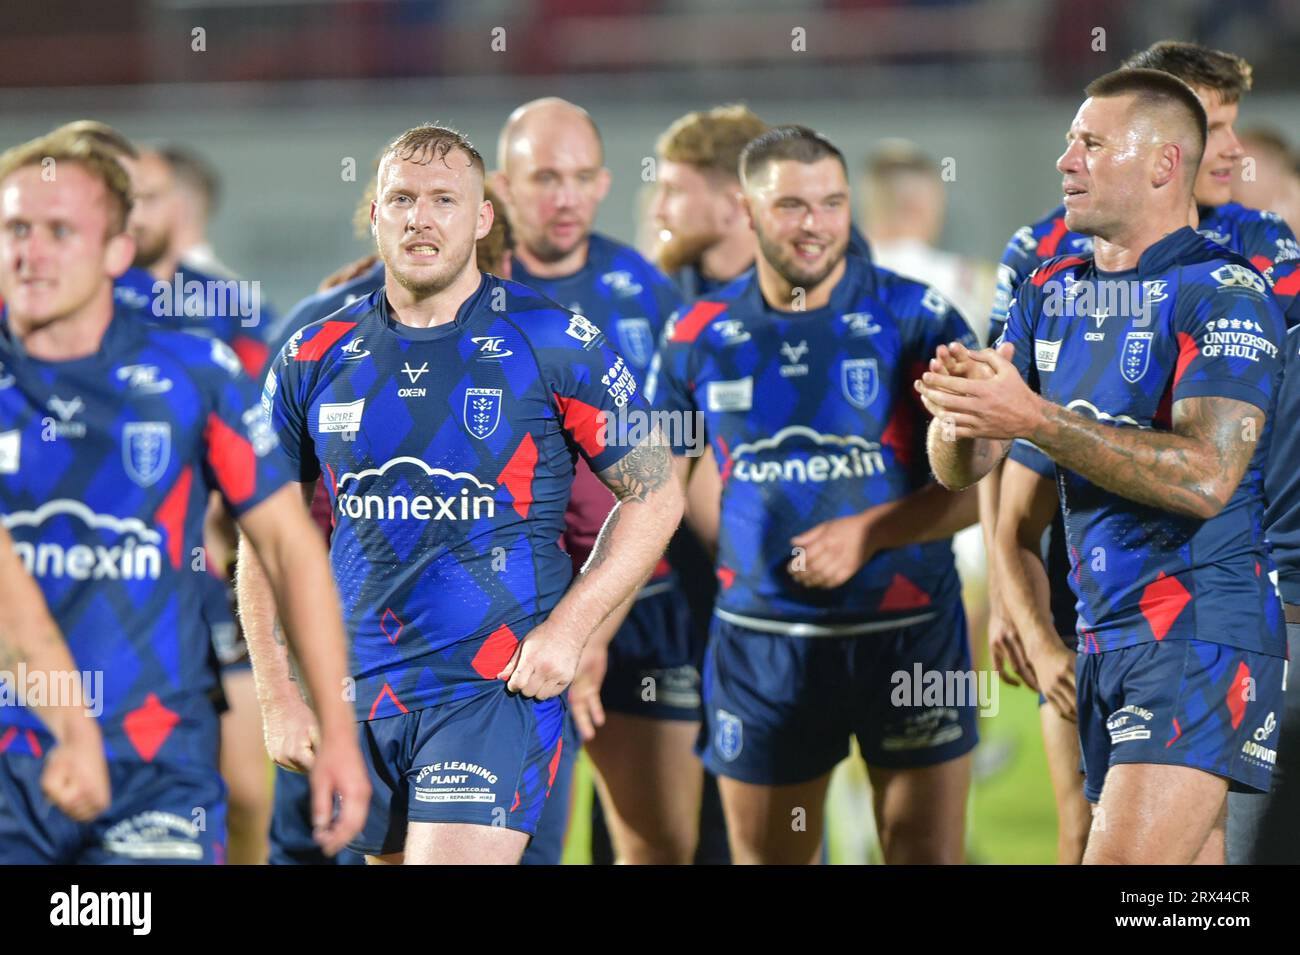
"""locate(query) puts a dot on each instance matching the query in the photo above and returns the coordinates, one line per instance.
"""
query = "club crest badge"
(482, 411)
(146, 450)
(1135, 356)
(860, 380)
(636, 338)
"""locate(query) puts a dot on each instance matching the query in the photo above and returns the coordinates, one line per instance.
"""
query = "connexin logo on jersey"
(858, 458)
(458, 505)
(135, 555)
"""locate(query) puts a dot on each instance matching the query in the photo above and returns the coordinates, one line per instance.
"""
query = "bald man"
(635, 702)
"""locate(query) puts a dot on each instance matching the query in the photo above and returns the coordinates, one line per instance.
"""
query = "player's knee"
(912, 839)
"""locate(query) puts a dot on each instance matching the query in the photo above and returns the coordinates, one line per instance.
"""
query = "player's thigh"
(1073, 811)
(650, 781)
(440, 843)
(487, 762)
(921, 812)
(1203, 708)
(1155, 814)
(775, 825)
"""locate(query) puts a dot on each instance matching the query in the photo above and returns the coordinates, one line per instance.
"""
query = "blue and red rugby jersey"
(1206, 325)
(628, 299)
(231, 310)
(1261, 237)
(106, 465)
(448, 453)
(812, 416)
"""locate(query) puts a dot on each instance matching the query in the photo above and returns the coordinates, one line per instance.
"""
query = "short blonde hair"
(83, 151)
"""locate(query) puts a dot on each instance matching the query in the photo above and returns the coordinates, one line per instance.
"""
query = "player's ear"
(603, 180)
(486, 216)
(1169, 160)
(119, 253)
(374, 219)
(747, 209)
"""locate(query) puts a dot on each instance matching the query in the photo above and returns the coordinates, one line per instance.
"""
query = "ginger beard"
(686, 214)
(427, 245)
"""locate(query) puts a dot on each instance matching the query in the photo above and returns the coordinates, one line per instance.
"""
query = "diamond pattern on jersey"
(1162, 601)
(517, 476)
(149, 725)
(495, 652)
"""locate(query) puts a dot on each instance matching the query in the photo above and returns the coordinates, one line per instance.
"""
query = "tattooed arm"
(1192, 470)
(630, 544)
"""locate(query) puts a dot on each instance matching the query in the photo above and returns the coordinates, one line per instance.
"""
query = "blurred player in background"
(1025, 485)
(903, 208)
(803, 374)
(107, 513)
(1269, 177)
(291, 840)
(1157, 419)
(75, 778)
(635, 700)
(197, 189)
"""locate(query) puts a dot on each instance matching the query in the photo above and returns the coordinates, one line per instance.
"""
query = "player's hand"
(338, 781)
(1053, 664)
(1007, 651)
(584, 693)
(832, 551)
(544, 663)
(75, 778)
(291, 733)
(955, 359)
(998, 406)
(348, 272)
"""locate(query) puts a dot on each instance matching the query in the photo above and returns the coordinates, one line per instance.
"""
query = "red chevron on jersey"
(320, 343)
(1049, 243)
(1162, 601)
(232, 460)
(903, 595)
(517, 476)
(1051, 268)
(495, 653)
(172, 515)
(689, 326)
(386, 691)
(585, 423)
(391, 625)
(252, 354)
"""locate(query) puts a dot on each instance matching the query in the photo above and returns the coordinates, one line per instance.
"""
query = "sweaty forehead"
(453, 172)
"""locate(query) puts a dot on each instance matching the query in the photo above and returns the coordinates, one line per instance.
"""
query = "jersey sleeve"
(594, 389)
(1230, 333)
(1019, 258)
(668, 387)
(284, 408)
(1018, 331)
(240, 456)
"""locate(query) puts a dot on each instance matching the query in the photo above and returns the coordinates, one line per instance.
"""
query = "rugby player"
(1269, 177)
(1157, 423)
(291, 840)
(198, 188)
(1032, 564)
(635, 702)
(448, 494)
(834, 551)
(117, 431)
(75, 778)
